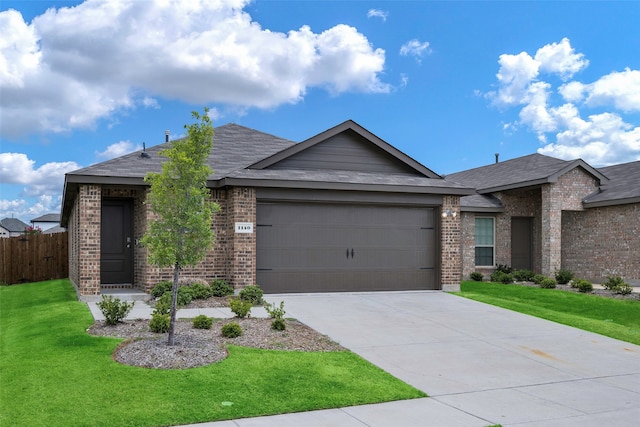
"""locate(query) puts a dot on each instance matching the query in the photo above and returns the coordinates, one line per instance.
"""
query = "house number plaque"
(244, 227)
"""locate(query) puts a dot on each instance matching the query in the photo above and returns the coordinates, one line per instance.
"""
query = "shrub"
(278, 325)
(583, 285)
(252, 294)
(159, 323)
(220, 288)
(501, 277)
(547, 283)
(239, 307)
(477, 276)
(184, 295)
(163, 304)
(563, 276)
(113, 309)
(538, 278)
(231, 330)
(161, 288)
(504, 268)
(200, 291)
(275, 312)
(624, 289)
(202, 322)
(523, 275)
(613, 282)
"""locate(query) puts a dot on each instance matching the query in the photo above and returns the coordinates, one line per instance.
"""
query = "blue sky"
(448, 83)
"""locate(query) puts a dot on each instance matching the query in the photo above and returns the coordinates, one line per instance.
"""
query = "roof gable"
(526, 171)
(346, 147)
(13, 225)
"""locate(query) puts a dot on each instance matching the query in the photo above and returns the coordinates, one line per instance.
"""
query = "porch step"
(124, 294)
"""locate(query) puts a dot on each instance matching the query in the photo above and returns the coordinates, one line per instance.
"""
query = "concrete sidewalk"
(480, 365)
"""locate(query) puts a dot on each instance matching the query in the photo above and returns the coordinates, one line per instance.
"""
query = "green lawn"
(52, 373)
(618, 319)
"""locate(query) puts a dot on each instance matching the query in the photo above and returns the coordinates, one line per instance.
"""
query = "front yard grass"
(614, 318)
(52, 373)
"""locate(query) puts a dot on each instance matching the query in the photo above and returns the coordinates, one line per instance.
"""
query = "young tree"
(180, 235)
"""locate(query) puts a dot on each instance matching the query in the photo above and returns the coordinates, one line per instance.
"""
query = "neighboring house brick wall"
(451, 246)
(601, 242)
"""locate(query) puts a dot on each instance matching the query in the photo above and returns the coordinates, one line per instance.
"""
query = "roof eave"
(515, 186)
(613, 202)
(483, 209)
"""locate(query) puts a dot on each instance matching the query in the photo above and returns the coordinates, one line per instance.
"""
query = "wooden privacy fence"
(33, 258)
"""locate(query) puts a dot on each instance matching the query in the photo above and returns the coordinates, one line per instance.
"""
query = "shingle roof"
(13, 225)
(623, 186)
(50, 217)
(521, 172)
(235, 147)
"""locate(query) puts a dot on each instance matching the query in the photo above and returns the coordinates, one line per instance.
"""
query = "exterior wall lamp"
(448, 213)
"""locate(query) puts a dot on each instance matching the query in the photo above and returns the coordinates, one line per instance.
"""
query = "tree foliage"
(180, 233)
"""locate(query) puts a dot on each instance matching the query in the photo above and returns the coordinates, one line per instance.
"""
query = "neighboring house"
(47, 221)
(541, 213)
(341, 211)
(12, 227)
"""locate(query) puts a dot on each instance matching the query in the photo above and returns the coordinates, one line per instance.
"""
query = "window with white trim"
(485, 241)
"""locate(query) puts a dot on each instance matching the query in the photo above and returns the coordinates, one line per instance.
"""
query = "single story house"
(12, 227)
(46, 221)
(341, 211)
(541, 213)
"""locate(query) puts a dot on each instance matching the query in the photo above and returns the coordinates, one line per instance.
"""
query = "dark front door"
(308, 247)
(521, 243)
(116, 246)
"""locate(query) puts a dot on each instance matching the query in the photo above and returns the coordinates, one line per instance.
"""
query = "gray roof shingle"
(13, 225)
(50, 217)
(623, 186)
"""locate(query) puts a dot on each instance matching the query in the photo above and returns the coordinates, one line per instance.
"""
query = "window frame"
(476, 245)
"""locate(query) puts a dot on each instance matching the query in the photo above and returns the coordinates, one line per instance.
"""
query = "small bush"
(538, 278)
(613, 282)
(220, 288)
(113, 309)
(163, 304)
(161, 288)
(278, 325)
(563, 276)
(184, 295)
(523, 275)
(159, 323)
(252, 294)
(547, 283)
(501, 277)
(200, 291)
(624, 289)
(477, 276)
(202, 322)
(239, 307)
(504, 268)
(231, 330)
(274, 311)
(583, 285)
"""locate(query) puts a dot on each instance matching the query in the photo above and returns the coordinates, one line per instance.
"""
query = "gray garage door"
(306, 247)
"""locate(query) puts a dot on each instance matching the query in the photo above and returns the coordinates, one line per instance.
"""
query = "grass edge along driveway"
(619, 319)
(53, 373)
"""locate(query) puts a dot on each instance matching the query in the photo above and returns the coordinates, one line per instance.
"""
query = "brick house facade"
(581, 218)
(249, 167)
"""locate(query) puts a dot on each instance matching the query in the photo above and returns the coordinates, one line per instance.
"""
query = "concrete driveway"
(479, 364)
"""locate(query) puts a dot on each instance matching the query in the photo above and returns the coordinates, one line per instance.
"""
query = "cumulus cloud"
(603, 137)
(118, 149)
(17, 168)
(72, 66)
(377, 13)
(415, 48)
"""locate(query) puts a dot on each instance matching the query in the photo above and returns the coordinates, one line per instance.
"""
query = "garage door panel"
(305, 247)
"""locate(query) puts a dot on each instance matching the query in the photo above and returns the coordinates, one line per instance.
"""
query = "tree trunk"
(174, 304)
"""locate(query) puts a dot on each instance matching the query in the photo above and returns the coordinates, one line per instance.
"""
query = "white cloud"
(602, 138)
(415, 48)
(72, 66)
(119, 149)
(17, 168)
(377, 13)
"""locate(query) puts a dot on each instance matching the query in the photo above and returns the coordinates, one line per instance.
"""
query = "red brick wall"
(88, 236)
(451, 247)
(602, 241)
